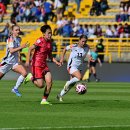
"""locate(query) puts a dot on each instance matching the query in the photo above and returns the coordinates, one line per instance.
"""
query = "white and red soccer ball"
(81, 88)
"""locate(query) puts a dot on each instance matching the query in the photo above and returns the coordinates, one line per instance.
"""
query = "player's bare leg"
(1, 75)
(94, 73)
(21, 70)
(39, 83)
(48, 80)
(90, 72)
(76, 76)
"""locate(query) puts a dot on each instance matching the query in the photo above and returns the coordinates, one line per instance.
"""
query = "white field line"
(67, 127)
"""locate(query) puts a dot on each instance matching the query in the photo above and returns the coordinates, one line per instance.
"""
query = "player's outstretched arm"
(62, 56)
(29, 54)
(12, 50)
(53, 59)
(99, 61)
(56, 62)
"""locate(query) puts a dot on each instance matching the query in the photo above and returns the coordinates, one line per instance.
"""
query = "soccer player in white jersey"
(78, 53)
(11, 60)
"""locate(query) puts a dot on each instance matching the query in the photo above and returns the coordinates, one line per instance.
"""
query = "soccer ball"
(81, 88)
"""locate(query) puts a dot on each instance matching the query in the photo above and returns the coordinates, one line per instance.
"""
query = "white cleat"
(59, 98)
(97, 80)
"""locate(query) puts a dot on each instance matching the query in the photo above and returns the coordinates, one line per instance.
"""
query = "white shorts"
(4, 67)
(72, 70)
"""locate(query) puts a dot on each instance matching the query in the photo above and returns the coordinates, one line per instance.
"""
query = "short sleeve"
(37, 43)
(89, 52)
(69, 47)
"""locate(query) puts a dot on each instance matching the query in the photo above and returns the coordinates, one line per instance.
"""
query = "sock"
(69, 84)
(72, 81)
(89, 75)
(63, 92)
(45, 96)
(19, 82)
(95, 76)
(43, 100)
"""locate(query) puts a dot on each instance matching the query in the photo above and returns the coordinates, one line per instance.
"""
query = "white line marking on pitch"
(67, 127)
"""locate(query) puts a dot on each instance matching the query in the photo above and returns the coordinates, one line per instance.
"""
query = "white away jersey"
(12, 58)
(77, 55)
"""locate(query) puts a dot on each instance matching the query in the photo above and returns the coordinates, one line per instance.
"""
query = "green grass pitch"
(106, 106)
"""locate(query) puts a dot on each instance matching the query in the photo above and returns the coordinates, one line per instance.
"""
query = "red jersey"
(43, 49)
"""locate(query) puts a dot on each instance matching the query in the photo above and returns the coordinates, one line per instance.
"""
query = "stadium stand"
(115, 48)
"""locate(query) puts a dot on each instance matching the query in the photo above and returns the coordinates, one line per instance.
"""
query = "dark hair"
(13, 26)
(83, 36)
(101, 40)
(44, 28)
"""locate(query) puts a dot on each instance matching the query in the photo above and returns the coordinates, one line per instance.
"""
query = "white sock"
(73, 80)
(19, 82)
(43, 100)
(68, 86)
(63, 92)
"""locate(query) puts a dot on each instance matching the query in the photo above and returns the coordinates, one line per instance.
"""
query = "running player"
(92, 64)
(40, 71)
(11, 60)
(78, 53)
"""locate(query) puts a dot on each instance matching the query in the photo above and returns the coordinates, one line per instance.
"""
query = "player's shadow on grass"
(67, 103)
(97, 103)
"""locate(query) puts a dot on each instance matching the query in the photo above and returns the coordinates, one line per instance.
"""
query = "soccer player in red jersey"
(40, 71)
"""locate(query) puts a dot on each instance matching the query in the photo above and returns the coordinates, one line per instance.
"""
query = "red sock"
(45, 96)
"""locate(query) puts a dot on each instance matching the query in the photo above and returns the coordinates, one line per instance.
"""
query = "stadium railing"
(116, 45)
(104, 23)
(111, 45)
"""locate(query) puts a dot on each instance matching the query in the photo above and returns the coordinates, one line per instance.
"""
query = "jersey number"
(79, 54)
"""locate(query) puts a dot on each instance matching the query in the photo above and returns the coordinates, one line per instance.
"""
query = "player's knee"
(1, 75)
(24, 74)
(40, 85)
(79, 78)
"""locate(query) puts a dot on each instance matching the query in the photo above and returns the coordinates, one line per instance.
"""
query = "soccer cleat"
(97, 80)
(45, 103)
(16, 92)
(59, 98)
(28, 78)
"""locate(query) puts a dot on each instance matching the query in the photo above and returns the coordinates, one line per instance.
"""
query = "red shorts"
(39, 72)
